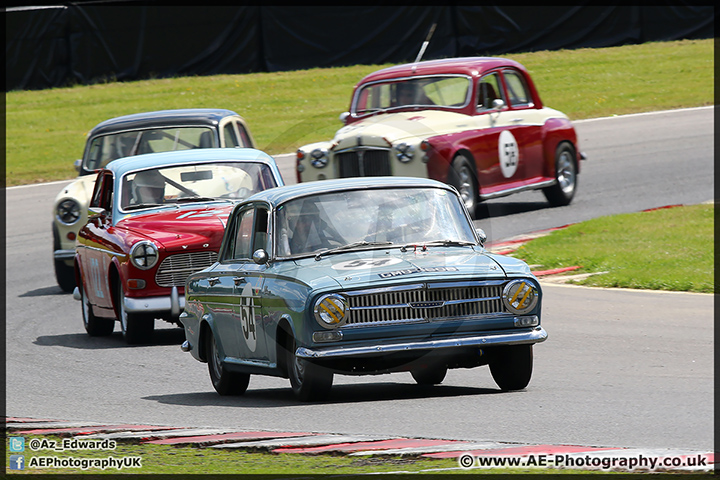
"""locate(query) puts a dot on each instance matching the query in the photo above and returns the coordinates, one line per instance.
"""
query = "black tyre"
(309, 381)
(512, 366)
(224, 382)
(463, 177)
(94, 326)
(64, 273)
(563, 191)
(136, 328)
(432, 375)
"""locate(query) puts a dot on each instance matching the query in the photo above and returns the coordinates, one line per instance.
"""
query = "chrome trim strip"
(64, 254)
(535, 335)
(398, 288)
(104, 250)
(151, 304)
(534, 186)
(386, 323)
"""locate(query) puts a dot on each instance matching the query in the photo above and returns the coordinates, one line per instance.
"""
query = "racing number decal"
(509, 153)
(247, 317)
(361, 264)
(96, 277)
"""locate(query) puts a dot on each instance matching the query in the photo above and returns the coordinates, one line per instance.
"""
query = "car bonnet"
(394, 127)
(368, 269)
(176, 229)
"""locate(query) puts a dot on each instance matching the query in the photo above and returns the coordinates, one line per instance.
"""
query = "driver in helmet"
(149, 187)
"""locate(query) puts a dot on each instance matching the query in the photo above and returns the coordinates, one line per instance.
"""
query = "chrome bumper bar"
(64, 254)
(173, 303)
(534, 335)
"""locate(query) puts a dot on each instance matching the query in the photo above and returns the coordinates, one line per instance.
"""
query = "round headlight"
(520, 296)
(144, 255)
(68, 211)
(319, 157)
(405, 152)
(331, 310)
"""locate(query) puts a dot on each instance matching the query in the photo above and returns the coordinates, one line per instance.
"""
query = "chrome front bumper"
(489, 339)
(174, 303)
(64, 254)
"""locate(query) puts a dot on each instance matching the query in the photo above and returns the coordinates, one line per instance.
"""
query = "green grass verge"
(191, 460)
(46, 129)
(666, 249)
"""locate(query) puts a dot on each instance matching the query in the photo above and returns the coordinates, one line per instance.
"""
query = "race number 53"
(509, 154)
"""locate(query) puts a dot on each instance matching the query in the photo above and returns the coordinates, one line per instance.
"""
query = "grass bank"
(666, 249)
(46, 129)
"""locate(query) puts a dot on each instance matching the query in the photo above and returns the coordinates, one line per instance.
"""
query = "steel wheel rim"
(465, 187)
(123, 313)
(299, 369)
(85, 307)
(215, 359)
(566, 173)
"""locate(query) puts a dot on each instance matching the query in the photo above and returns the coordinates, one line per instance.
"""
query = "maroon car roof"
(472, 66)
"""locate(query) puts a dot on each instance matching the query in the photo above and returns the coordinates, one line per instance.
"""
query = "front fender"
(80, 191)
(556, 131)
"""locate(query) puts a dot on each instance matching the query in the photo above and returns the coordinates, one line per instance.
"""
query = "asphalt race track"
(620, 368)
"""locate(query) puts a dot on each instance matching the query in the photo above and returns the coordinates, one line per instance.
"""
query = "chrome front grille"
(425, 302)
(175, 269)
(364, 163)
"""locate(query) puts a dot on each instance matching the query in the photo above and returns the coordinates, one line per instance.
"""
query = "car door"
(98, 245)
(525, 122)
(489, 125)
(246, 233)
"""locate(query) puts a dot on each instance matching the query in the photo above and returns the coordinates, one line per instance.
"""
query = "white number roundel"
(247, 317)
(509, 153)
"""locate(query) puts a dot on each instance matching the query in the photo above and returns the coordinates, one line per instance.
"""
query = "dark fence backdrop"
(57, 46)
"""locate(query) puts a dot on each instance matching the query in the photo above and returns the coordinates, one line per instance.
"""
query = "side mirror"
(481, 235)
(260, 256)
(93, 211)
(77, 164)
(498, 104)
(344, 116)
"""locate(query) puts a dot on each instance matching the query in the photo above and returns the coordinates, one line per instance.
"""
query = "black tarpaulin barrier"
(88, 43)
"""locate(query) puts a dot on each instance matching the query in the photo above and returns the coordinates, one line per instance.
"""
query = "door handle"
(239, 280)
(517, 120)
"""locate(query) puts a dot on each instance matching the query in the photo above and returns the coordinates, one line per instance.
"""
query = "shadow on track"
(164, 336)
(340, 394)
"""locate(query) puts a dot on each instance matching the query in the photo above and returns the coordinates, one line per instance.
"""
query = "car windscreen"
(171, 185)
(106, 148)
(435, 91)
(398, 216)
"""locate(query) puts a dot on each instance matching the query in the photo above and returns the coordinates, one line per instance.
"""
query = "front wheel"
(563, 191)
(136, 328)
(94, 326)
(511, 366)
(309, 381)
(462, 176)
(224, 382)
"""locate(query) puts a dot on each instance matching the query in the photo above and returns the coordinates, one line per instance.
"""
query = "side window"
(229, 136)
(244, 235)
(249, 232)
(103, 193)
(517, 89)
(244, 137)
(489, 89)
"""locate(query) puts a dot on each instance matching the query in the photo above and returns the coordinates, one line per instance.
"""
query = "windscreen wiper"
(444, 243)
(350, 246)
